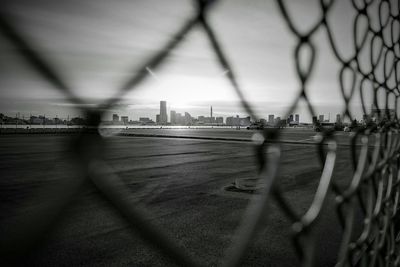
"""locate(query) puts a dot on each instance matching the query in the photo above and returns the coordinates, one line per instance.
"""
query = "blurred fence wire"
(375, 183)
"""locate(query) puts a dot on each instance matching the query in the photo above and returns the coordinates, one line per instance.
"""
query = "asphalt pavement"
(180, 183)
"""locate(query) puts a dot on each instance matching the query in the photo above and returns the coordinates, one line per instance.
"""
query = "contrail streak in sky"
(152, 74)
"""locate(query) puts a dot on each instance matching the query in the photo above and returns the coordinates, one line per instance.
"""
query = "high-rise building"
(297, 118)
(212, 119)
(236, 121)
(124, 119)
(291, 118)
(314, 120)
(219, 120)
(188, 119)
(338, 118)
(180, 120)
(245, 121)
(173, 116)
(163, 112)
(158, 119)
(271, 119)
(115, 118)
(321, 118)
(279, 122)
(207, 120)
(233, 121)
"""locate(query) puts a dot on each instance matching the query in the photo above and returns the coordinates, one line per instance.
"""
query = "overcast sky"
(97, 45)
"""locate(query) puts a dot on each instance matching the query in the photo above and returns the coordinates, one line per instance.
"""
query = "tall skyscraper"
(314, 120)
(321, 118)
(219, 120)
(297, 118)
(291, 118)
(180, 119)
(188, 119)
(271, 119)
(163, 112)
(173, 116)
(115, 117)
(125, 119)
(338, 119)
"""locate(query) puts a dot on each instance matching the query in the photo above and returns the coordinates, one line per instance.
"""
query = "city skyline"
(191, 77)
(199, 111)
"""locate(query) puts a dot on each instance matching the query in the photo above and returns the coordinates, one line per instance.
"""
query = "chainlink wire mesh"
(375, 179)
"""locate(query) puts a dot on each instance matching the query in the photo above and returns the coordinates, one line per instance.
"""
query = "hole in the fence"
(347, 81)
(379, 70)
(381, 98)
(361, 30)
(355, 103)
(373, 15)
(305, 56)
(390, 61)
(394, 8)
(360, 4)
(341, 22)
(395, 32)
(376, 50)
(366, 90)
(363, 56)
(387, 35)
(384, 13)
(391, 80)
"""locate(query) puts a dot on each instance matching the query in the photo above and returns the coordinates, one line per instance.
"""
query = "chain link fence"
(374, 185)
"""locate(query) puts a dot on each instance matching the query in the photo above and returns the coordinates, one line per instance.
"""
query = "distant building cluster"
(124, 120)
(236, 121)
(293, 119)
(321, 119)
(40, 120)
(186, 119)
(377, 116)
(162, 117)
